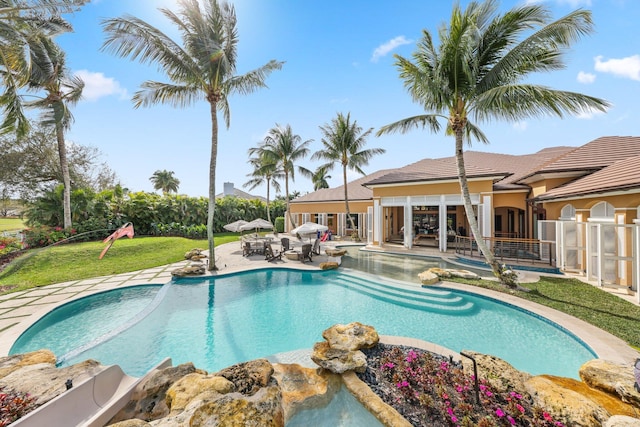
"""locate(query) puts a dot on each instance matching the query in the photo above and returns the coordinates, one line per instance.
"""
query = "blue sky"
(339, 58)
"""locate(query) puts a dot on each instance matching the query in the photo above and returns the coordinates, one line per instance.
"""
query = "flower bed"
(428, 389)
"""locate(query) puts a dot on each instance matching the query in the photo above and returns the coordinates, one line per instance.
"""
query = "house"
(583, 202)
(230, 190)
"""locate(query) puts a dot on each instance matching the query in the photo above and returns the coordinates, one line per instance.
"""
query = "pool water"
(399, 267)
(217, 322)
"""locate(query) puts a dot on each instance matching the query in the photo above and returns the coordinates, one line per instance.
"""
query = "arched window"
(602, 210)
(568, 213)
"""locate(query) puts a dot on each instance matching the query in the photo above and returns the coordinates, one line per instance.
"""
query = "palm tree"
(165, 181)
(343, 143)
(284, 148)
(264, 172)
(20, 21)
(50, 73)
(319, 178)
(477, 72)
(204, 67)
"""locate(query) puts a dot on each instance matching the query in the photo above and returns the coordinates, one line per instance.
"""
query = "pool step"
(406, 297)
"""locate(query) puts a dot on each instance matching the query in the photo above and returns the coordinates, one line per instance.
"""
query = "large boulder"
(187, 388)
(500, 375)
(352, 336)
(613, 378)
(622, 421)
(148, 401)
(329, 265)
(12, 363)
(428, 278)
(304, 388)
(564, 404)
(338, 360)
(248, 377)
(193, 269)
(44, 381)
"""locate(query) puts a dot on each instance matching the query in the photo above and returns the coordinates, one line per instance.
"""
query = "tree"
(19, 21)
(165, 181)
(264, 172)
(31, 165)
(284, 148)
(319, 178)
(203, 68)
(343, 143)
(477, 72)
(50, 73)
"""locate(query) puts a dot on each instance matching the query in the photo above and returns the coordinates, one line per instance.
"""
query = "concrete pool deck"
(19, 310)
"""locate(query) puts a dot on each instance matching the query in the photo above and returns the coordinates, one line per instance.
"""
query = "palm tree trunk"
(268, 213)
(66, 180)
(286, 190)
(212, 185)
(468, 207)
(346, 197)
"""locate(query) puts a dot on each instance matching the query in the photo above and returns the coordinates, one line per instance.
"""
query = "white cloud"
(520, 126)
(387, 47)
(586, 78)
(628, 67)
(96, 86)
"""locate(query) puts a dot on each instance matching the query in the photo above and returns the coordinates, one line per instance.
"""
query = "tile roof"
(621, 175)
(241, 195)
(355, 188)
(594, 155)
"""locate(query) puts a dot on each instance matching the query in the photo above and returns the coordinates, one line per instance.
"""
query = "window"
(568, 213)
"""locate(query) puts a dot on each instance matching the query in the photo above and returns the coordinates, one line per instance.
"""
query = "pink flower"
(388, 365)
(511, 420)
(520, 408)
(516, 395)
(546, 416)
(402, 384)
(499, 413)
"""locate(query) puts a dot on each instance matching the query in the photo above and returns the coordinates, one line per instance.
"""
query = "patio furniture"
(316, 247)
(271, 255)
(291, 255)
(285, 244)
(246, 249)
(306, 253)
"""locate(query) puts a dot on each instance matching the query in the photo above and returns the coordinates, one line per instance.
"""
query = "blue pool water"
(221, 321)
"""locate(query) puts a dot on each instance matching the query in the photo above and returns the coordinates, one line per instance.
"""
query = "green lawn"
(10, 224)
(80, 260)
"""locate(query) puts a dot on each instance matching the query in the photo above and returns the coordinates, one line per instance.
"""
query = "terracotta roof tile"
(597, 154)
(621, 175)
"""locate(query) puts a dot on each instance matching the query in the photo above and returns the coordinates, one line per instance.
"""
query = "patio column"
(442, 224)
(408, 223)
(377, 222)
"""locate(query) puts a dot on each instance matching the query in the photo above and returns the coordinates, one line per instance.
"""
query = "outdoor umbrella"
(235, 226)
(257, 224)
(308, 228)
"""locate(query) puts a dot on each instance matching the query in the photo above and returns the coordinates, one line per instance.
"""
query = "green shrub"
(279, 224)
(8, 245)
(41, 236)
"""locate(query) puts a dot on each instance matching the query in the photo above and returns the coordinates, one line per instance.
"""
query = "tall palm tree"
(343, 143)
(165, 181)
(63, 90)
(264, 172)
(203, 67)
(20, 22)
(284, 148)
(477, 72)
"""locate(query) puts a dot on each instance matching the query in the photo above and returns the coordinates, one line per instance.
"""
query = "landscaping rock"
(195, 255)
(500, 375)
(44, 381)
(187, 388)
(328, 265)
(193, 269)
(335, 252)
(463, 274)
(352, 336)
(613, 378)
(9, 364)
(443, 273)
(564, 404)
(148, 401)
(622, 421)
(428, 278)
(336, 360)
(304, 388)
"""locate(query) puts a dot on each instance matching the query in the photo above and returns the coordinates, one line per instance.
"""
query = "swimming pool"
(217, 322)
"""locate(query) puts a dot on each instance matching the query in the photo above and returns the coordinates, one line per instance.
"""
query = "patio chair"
(285, 244)
(247, 249)
(271, 255)
(306, 253)
(316, 247)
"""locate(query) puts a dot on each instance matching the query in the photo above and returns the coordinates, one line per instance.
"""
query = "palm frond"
(153, 92)
(405, 125)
